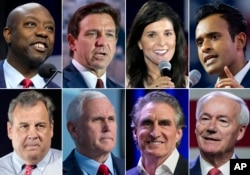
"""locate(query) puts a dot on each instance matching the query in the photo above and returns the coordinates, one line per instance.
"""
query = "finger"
(228, 72)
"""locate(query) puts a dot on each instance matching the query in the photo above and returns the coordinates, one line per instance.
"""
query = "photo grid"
(128, 87)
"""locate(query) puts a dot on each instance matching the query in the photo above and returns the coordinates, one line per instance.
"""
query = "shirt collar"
(205, 166)
(18, 162)
(13, 77)
(91, 166)
(241, 74)
(170, 163)
(89, 77)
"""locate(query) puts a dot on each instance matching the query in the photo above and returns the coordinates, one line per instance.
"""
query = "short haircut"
(243, 116)
(30, 99)
(75, 109)
(93, 8)
(236, 21)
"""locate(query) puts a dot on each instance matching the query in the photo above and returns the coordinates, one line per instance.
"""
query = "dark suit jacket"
(245, 81)
(181, 168)
(195, 167)
(72, 78)
(71, 167)
(3, 83)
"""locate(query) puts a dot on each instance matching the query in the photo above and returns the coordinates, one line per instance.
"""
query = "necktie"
(26, 83)
(103, 170)
(214, 171)
(99, 83)
(28, 169)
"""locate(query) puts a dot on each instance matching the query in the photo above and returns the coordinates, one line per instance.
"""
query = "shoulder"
(132, 171)
(112, 84)
(6, 166)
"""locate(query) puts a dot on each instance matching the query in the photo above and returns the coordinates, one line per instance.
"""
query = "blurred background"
(206, 79)
(116, 69)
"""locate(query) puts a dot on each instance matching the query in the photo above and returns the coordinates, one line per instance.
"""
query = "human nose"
(41, 31)
(161, 41)
(101, 41)
(212, 125)
(206, 46)
(32, 134)
(155, 131)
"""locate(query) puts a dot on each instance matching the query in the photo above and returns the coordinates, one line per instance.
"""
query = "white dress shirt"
(13, 78)
(12, 164)
(89, 77)
(169, 163)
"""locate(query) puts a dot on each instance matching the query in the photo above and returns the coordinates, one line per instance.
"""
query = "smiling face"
(158, 41)
(31, 132)
(156, 132)
(96, 43)
(215, 46)
(217, 128)
(30, 35)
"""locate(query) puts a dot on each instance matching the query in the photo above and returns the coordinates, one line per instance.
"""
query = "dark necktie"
(28, 169)
(214, 171)
(99, 83)
(103, 170)
(26, 83)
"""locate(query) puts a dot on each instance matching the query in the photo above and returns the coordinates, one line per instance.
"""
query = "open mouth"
(160, 52)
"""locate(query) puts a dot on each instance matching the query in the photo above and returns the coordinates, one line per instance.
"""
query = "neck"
(217, 160)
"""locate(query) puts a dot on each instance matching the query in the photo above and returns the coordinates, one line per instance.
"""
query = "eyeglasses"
(221, 121)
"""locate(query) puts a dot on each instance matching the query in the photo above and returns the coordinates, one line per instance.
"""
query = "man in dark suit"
(92, 37)
(30, 35)
(157, 123)
(221, 39)
(91, 122)
(221, 121)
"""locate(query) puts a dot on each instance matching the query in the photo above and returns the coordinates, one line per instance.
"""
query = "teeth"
(40, 45)
(156, 143)
(160, 51)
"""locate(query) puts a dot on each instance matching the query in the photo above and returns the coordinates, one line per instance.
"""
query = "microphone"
(48, 70)
(165, 68)
(194, 77)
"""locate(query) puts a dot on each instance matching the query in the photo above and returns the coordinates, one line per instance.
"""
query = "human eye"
(30, 24)
(111, 118)
(214, 36)
(204, 119)
(169, 33)
(97, 119)
(40, 126)
(50, 28)
(223, 122)
(146, 123)
(110, 34)
(91, 34)
(23, 127)
(151, 35)
(199, 43)
(165, 123)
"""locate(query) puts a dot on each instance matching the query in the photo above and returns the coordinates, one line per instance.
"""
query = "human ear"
(7, 35)
(240, 40)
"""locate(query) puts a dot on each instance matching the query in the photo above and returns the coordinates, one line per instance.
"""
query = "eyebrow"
(208, 35)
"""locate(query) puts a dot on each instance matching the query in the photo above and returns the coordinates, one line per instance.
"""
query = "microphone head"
(194, 77)
(165, 68)
(46, 70)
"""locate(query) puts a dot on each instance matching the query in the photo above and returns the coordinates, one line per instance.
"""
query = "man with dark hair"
(92, 37)
(30, 35)
(221, 39)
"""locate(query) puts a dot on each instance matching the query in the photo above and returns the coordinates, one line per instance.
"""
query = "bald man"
(30, 35)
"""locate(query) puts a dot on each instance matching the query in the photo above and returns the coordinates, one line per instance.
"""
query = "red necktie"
(103, 170)
(214, 171)
(26, 83)
(99, 83)
(28, 169)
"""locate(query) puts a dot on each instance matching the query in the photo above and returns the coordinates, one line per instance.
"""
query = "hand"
(229, 81)
(162, 82)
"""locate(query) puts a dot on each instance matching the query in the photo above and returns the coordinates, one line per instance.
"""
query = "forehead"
(97, 20)
(162, 110)
(212, 23)
(32, 11)
(162, 24)
(97, 105)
